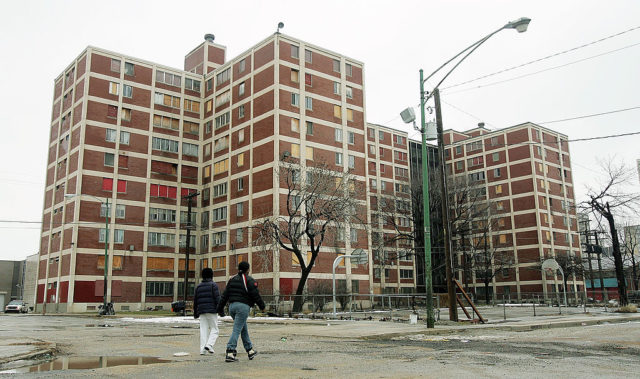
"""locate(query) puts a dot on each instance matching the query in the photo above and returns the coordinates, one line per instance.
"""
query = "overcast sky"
(394, 39)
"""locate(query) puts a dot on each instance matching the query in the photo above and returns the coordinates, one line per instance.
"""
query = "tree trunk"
(299, 300)
(486, 291)
(617, 256)
(634, 272)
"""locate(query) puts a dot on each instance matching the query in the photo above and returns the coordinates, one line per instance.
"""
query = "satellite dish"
(280, 26)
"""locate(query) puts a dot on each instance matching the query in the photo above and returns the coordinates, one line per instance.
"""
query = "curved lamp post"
(106, 244)
(408, 116)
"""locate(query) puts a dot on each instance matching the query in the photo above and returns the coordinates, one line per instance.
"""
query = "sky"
(39, 39)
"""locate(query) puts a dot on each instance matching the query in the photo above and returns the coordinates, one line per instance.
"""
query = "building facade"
(143, 136)
(518, 182)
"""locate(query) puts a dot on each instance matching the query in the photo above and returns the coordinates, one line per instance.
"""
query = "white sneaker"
(208, 349)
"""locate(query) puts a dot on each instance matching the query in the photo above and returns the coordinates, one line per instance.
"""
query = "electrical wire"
(543, 58)
(590, 115)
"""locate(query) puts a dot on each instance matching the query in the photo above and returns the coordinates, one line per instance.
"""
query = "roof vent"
(481, 125)
(209, 37)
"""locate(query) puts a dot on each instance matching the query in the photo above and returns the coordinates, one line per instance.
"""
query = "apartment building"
(144, 135)
(524, 175)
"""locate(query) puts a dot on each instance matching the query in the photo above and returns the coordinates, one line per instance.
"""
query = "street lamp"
(521, 26)
(106, 246)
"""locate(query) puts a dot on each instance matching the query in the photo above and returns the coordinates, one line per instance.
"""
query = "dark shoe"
(209, 349)
(252, 353)
(231, 356)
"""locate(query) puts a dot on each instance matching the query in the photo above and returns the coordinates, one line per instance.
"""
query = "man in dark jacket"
(241, 293)
(205, 305)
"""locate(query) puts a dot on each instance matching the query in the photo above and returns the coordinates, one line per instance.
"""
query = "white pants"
(208, 330)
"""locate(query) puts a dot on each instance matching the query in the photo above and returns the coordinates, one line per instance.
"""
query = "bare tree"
(609, 201)
(319, 201)
(628, 246)
(486, 260)
(571, 265)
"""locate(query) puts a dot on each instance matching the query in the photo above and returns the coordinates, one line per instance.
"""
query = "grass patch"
(628, 309)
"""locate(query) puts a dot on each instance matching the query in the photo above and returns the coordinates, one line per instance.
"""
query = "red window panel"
(184, 192)
(173, 192)
(153, 192)
(123, 161)
(162, 191)
(122, 186)
(112, 111)
(107, 184)
(307, 79)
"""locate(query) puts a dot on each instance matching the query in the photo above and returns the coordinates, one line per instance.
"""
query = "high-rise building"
(514, 202)
(143, 135)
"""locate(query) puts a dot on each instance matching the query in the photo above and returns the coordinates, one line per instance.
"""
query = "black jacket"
(206, 298)
(236, 291)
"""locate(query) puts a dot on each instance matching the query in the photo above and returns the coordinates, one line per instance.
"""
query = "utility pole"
(189, 198)
(453, 306)
(598, 251)
(587, 234)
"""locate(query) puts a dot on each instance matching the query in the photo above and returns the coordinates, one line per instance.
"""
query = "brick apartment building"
(143, 135)
(524, 173)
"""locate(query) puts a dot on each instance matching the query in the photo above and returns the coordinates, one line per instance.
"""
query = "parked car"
(178, 306)
(17, 306)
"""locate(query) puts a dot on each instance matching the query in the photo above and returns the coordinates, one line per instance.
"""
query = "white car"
(17, 306)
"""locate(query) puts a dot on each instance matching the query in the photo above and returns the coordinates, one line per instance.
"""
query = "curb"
(50, 350)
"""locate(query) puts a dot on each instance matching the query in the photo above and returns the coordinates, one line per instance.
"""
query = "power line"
(544, 70)
(543, 58)
(591, 115)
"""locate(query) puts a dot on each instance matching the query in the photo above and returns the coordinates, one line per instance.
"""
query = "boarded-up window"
(192, 264)
(115, 262)
(160, 264)
(107, 184)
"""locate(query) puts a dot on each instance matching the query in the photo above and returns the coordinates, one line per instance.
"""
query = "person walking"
(205, 305)
(242, 293)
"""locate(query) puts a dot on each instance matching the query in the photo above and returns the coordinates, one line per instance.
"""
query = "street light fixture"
(519, 25)
(106, 246)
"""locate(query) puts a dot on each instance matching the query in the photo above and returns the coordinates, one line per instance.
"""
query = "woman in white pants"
(205, 304)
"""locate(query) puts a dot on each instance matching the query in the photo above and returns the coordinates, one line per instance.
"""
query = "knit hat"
(243, 266)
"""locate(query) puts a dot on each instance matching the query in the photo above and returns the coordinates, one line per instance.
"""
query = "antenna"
(280, 26)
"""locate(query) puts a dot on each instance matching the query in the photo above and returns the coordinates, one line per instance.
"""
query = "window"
(115, 65)
(219, 263)
(161, 239)
(168, 192)
(219, 214)
(499, 205)
(220, 144)
(338, 158)
(167, 100)
(336, 65)
(113, 88)
(183, 243)
(351, 138)
(241, 89)
(240, 159)
(476, 176)
(295, 125)
(125, 114)
(475, 161)
(406, 274)
(111, 135)
(129, 69)
(223, 76)
(118, 236)
(239, 235)
(222, 120)
(239, 209)
(372, 133)
(190, 149)
(108, 159)
(168, 78)
(162, 215)
(191, 105)
(308, 80)
(295, 75)
(219, 190)
(349, 69)
(381, 151)
(308, 56)
(241, 111)
(242, 65)
(459, 165)
(496, 172)
(309, 153)
(295, 99)
(295, 150)
(380, 135)
(309, 128)
(352, 161)
(166, 122)
(223, 98)
(502, 238)
(221, 166)
(374, 184)
(192, 84)
(240, 184)
(308, 103)
(336, 88)
(337, 111)
(353, 234)
(349, 92)
(495, 157)
(459, 149)
(127, 91)
(499, 189)
(338, 135)
(295, 51)
(477, 145)
(125, 137)
(191, 127)
(163, 144)
(209, 84)
(349, 114)
(122, 186)
(159, 288)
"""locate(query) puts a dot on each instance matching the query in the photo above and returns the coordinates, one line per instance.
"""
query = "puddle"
(84, 363)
